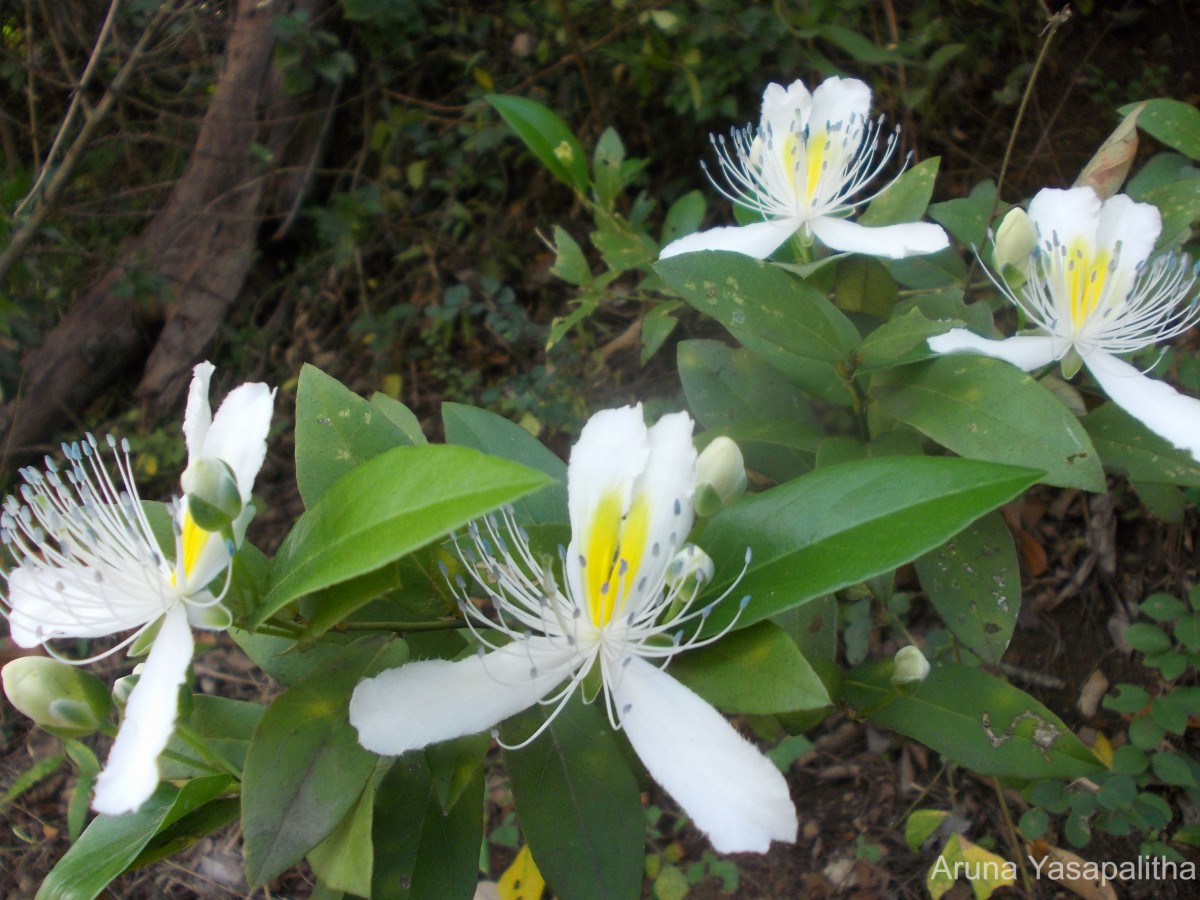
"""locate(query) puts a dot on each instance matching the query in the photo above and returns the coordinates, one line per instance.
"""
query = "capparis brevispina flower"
(626, 602)
(88, 565)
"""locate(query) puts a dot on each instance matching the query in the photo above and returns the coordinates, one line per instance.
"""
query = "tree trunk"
(201, 244)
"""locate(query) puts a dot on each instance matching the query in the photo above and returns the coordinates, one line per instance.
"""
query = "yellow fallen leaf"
(1103, 750)
(522, 880)
(984, 870)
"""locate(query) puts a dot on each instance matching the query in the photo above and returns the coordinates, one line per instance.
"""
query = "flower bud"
(720, 477)
(689, 570)
(62, 699)
(1014, 241)
(124, 686)
(910, 667)
(213, 498)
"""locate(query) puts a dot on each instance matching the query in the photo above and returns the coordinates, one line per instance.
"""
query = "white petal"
(198, 414)
(891, 241)
(669, 480)
(238, 435)
(605, 463)
(839, 100)
(421, 703)
(67, 601)
(1027, 352)
(732, 792)
(784, 107)
(1135, 226)
(1072, 215)
(131, 773)
(1155, 404)
(758, 239)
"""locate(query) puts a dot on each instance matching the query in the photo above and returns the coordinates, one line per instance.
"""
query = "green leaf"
(974, 583)
(385, 509)
(328, 607)
(305, 769)
(469, 426)
(844, 524)
(422, 852)
(779, 450)
(907, 197)
(966, 218)
(757, 670)
(280, 658)
(921, 826)
(31, 778)
(569, 262)
(1034, 823)
(343, 861)
(1179, 204)
(401, 416)
(186, 831)
(984, 408)
(657, 326)
(1129, 448)
(684, 217)
(783, 321)
(225, 724)
(547, 136)
(336, 430)
(724, 386)
(1163, 607)
(974, 719)
(1147, 638)
(110, 844)
(1174, 123)
(606, 168)
(1172, 768)
(453, 765)
(864, 285)
(900, 341)
(1129, 699)
(578, 802)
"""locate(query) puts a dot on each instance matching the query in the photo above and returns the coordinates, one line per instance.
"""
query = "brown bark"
(201, 244)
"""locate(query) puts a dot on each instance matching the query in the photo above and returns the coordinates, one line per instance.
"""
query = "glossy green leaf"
(305, 769)
(973, 718)
(974, 582)
(226, 725)
(906, 198)
(385, 509)
(578, 803)
(900, 341)
(110, 844)
(344, 860)
(401, 416)
(328, 607)
(724, 385)
(864, 285)
(783, 321)
(756, 670)
(684, 217)
(844, 524)
(188, 830)
(944, 269)
(1173, 122)
(470, 426)
(336, 430)
(1129, 448)
(547, 136)
(984, 408)
(1179, 204)
(453, 765)
(779, 450)
(421, 852)
(966, 218)
(281, 659)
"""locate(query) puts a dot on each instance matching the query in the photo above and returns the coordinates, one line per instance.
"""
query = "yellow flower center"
(613, 555)
(1086, 277)
(813, 151)
(193, 539)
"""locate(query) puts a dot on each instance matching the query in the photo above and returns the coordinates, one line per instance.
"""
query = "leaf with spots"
(336, 430)
(1173, 122)
(974, 583)
(986, 409)
(1129, 448)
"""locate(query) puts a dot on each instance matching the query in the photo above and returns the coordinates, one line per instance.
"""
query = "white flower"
(630, 503)
(801, 169)
(1090, 288)
(88, 565)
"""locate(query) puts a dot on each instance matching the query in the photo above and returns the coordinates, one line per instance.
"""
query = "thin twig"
(24, 234)
(76, 99)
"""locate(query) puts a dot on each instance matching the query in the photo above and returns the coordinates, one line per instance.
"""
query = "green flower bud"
(62, 699)
(1014, 242)
(910, 667)
(213, 498)
(720, 477)
(124, 686)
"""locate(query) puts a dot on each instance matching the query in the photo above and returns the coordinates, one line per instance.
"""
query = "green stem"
(189, 761)
(213, 757)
